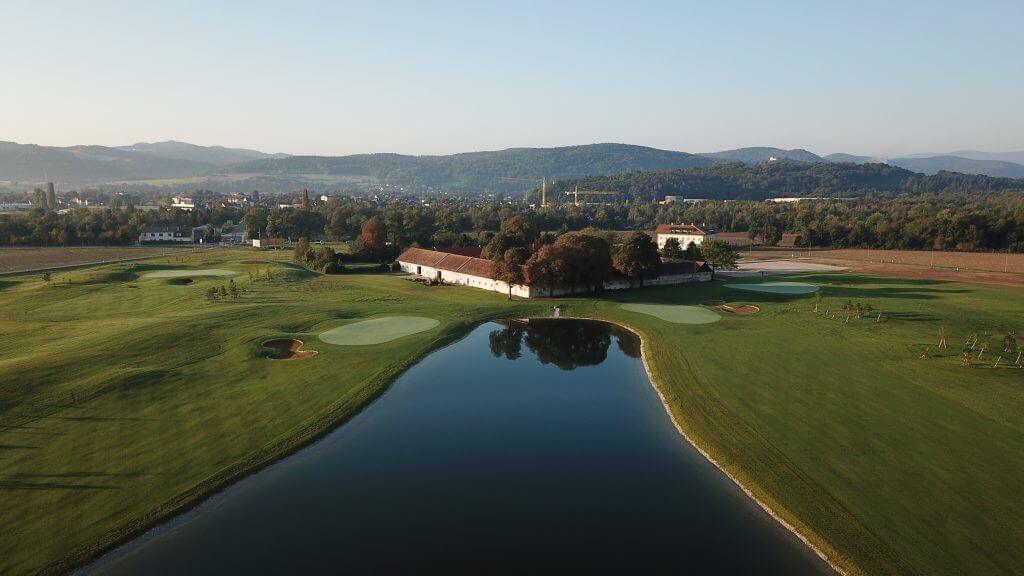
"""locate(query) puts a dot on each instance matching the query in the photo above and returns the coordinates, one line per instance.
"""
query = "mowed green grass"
(377, 330)
(787, 288)
(123, 398)
(676, 313)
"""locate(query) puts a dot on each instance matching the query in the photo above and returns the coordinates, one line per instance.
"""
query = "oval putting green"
(180, 273)
(777, 287)
(676, 314)
(377, 330)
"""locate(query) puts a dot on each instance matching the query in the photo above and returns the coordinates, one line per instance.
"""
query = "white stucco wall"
(449, 277)
(684, 239)
(537, 292)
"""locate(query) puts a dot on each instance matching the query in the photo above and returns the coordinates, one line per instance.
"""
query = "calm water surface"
(539, 451)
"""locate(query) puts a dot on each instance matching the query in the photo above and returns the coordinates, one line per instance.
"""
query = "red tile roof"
(692, 229)
(447, 261)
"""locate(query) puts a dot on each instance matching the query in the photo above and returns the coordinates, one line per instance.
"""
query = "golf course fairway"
(789, 288)
(675, 314)
(189, 273)
(142, 402)
(377, 330)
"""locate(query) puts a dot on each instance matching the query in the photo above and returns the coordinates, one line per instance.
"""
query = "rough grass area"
(190, 273)
(675, 313)
(791, 288)
(121, 400)
(18, 259)
(377, 330)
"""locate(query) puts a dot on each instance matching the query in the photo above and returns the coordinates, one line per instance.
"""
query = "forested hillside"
(783, 179)
(478, 170)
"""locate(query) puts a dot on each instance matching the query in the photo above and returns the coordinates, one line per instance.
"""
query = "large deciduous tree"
(720, 254)
(672, 250)
(499, 244)
(373, 238)
(509, 268)
(637, 258)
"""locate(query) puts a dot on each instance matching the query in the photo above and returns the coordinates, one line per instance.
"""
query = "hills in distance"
(84, 164)
(185, 166)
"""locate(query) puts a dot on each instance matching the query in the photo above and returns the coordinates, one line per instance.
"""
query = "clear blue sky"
(437, 77)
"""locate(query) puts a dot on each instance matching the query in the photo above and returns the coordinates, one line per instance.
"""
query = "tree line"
(966, 221)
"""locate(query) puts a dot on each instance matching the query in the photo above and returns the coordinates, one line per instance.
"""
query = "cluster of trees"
(320, 258)
(99, 226)
(584, 260)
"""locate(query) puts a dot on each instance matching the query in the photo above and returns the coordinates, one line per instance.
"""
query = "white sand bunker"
(777, 287)
(377, 330)
(181, 273)
(676, 314)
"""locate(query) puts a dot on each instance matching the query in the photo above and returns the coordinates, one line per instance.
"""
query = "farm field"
(124, 398)
(979, 261)
(19, 259)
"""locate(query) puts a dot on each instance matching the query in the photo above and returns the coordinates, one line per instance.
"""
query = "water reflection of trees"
(567, 344)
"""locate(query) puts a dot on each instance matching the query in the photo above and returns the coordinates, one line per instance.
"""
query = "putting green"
(777, 287)
(377, 330)
(189, 273)
(675, 314)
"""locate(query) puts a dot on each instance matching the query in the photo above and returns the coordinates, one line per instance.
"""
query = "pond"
(517, 449)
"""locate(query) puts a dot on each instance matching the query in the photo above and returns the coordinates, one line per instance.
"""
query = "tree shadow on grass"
(84, 480)
(910, 316)
(907, 292)
(22, 485)
(857, 279)
(5, 284)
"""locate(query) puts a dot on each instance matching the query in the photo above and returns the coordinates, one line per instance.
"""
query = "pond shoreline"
(750, 494)
(307, 434)
(337, 416)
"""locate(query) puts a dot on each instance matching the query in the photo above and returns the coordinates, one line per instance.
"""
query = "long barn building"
(464, 270)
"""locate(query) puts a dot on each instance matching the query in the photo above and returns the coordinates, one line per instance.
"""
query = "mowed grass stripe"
(675, 313)
(377, 330)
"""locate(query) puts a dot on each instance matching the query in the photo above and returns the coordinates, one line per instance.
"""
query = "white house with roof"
(165, 235)
(685, 233)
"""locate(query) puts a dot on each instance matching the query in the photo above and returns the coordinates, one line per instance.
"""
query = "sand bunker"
(742, 309)
(288, 349)
(377, 330)
(675, 314)
(181, 273)
(792, 288)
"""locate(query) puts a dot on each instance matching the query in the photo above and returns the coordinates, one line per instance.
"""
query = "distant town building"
(183, 202)
(671, 199)
(685, 233)
(268, 242)
(463, 270)
(794, 199)
(166, 235)
(16, 206)
(236, 234)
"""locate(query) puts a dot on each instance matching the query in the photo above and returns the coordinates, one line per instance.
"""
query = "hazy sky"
(883, 77)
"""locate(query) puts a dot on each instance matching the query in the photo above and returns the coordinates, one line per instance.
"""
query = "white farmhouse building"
(165, 235)
(464, 270)
(685, 233)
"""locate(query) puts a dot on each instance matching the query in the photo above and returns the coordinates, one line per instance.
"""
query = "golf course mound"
(676, 314)
(187, 273)
(742, 309)
(288, 349)
(785, 288)
(377, 330)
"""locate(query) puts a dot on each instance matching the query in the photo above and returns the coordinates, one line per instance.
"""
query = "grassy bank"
(124, 398)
